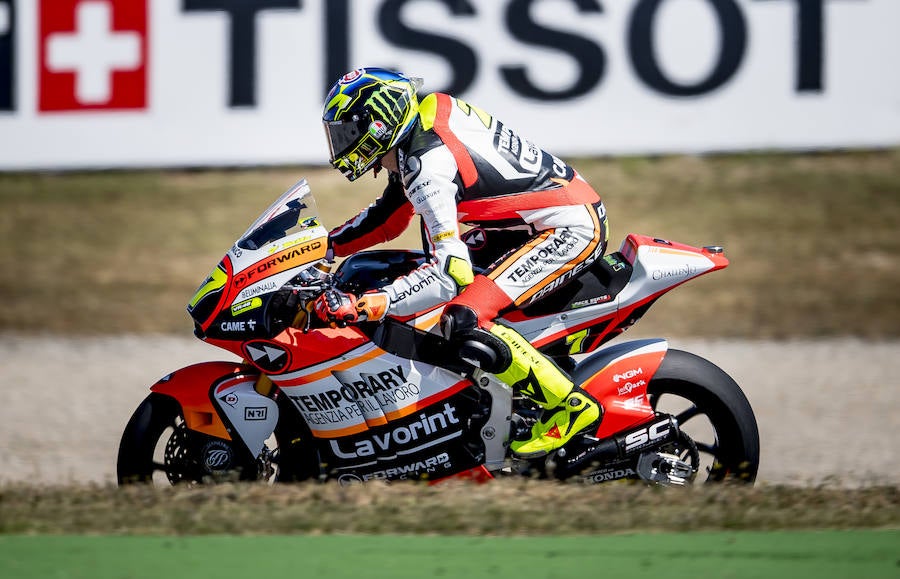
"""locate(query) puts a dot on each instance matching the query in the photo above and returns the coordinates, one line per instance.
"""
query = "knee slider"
(459, 325)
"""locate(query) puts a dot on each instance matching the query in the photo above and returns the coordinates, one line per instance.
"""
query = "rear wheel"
(712, 412)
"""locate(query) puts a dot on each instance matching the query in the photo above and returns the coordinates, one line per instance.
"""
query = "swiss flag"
(7, 55)
(93, 54)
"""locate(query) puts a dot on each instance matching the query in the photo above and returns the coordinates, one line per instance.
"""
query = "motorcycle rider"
(536, 222)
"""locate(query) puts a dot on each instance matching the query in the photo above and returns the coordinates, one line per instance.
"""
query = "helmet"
(367, 112)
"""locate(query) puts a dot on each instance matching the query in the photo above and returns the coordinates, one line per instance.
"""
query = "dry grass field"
(508, 507)
(812, 240)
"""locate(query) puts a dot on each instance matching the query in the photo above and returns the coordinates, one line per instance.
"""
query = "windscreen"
(295, 210)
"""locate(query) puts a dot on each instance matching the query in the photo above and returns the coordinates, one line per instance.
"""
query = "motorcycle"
(393, 400)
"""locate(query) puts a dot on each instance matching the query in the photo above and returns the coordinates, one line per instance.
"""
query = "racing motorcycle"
(394, 400)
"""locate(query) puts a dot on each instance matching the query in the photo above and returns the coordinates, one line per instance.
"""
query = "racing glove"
(341, 308)
(372, 306)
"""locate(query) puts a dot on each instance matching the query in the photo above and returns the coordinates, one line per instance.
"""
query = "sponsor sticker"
(217, 456)
(378, 129)
(270, 357)
(438, 237)
(245, 306)
(627, 375)
(255, 413)
(351, 76)
(428, 430)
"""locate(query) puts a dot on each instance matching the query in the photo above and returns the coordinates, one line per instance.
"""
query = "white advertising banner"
(145, 83)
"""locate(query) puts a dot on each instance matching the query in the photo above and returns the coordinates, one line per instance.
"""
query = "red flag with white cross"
(93, 54)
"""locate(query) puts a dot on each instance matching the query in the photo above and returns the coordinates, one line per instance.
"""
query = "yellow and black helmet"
(367, 112)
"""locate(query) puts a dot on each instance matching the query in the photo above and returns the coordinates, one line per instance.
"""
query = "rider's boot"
(568, 410)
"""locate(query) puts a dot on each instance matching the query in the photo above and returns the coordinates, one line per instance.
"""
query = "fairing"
(618, 378)
(612, 295)
(244, 296)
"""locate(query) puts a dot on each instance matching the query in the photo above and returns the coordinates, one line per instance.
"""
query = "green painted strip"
(828, 554)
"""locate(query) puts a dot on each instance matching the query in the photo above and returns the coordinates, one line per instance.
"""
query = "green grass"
(812, 240)
(825, 555)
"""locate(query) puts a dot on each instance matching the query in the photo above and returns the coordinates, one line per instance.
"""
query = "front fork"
(229, 407)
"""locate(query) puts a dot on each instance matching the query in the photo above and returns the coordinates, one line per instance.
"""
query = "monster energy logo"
(389, 104)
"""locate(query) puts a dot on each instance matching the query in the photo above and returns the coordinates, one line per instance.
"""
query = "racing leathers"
(460, 165)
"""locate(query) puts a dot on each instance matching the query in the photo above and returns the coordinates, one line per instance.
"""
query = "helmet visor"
(343, 135)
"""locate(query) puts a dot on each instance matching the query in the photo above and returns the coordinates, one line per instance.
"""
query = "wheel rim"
(700, 428)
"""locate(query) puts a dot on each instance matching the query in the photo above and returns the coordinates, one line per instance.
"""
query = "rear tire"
(713, 411)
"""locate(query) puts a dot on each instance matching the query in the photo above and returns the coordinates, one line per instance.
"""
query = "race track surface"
(828, 411)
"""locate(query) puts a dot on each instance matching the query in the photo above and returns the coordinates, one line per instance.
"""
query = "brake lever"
(307, 324)
(314, 290)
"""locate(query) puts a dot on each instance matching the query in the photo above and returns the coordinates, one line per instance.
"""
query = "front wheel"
(713, 412)
(158, 448)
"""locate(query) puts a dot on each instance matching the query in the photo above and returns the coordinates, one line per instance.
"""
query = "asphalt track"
(828, 411)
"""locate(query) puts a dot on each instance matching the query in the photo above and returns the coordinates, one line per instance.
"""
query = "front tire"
(158, 448)
(136, 461)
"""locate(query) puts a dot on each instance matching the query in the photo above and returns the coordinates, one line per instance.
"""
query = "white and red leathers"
(461, 165)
